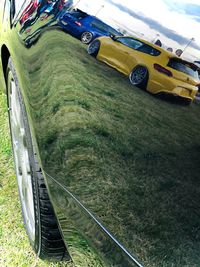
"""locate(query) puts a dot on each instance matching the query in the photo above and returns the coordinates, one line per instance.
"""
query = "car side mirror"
(113, 37)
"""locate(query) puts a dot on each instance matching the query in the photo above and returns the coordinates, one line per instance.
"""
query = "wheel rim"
(138, 75)
(22, 163)
(86, 37)
(93, 47)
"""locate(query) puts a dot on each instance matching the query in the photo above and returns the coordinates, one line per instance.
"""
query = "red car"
(29, 10)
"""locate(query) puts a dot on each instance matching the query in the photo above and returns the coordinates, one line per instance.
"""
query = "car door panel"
(93, 147)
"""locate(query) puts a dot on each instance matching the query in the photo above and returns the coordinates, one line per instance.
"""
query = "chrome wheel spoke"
(86, 37)
(22, 162)
(15, 105)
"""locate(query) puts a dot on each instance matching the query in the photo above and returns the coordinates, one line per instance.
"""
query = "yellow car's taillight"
(163, 70)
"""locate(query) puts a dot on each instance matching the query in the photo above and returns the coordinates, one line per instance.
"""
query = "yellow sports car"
(148, 66)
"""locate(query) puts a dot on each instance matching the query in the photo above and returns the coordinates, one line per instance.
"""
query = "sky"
(173, 22)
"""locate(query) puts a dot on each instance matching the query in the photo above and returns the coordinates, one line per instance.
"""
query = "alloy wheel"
(138, 75)
(86, 37)
(93, 48)
(21, 158)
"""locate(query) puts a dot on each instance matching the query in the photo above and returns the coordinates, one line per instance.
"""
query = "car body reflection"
(117, 162)
(84, 26)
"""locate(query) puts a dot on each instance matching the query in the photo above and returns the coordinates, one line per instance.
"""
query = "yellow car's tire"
(93, 48)
(139, 76)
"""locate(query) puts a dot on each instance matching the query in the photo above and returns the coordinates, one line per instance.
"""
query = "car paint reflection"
(84, 26)
(38, 33)
(91, 141)
(83, 220)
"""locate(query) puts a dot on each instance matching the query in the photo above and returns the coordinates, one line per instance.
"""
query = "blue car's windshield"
(103, 27)
(113, 31)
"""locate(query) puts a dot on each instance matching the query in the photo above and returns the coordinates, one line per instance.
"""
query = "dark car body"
(77, 22)
(43, 37)
(88, 142)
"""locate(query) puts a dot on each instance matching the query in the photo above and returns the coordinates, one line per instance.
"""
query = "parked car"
(148, 66)
(107, 176)
(84, 26)
(31, 76)
(198, 70)
(29, 10)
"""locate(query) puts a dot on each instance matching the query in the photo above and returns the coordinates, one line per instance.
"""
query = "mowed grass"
(14, 245)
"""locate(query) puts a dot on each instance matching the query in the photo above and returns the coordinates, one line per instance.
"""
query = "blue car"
(84, 26)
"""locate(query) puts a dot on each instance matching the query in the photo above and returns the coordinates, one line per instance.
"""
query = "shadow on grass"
(175, 100)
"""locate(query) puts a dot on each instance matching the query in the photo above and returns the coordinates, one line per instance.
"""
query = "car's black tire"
(93, 48)
(38, 214)
(86, 37)
(139, 76)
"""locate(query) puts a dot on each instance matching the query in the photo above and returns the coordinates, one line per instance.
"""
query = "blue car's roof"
(89, 18)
